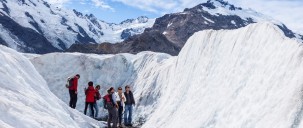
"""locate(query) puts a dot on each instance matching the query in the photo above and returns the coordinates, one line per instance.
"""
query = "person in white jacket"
(120, 101)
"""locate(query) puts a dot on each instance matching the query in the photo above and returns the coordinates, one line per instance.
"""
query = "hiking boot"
(127, 125)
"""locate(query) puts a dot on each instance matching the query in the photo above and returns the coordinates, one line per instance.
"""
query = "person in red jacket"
(96, 104)
(97, 97)
(90, 93)
(73, 91)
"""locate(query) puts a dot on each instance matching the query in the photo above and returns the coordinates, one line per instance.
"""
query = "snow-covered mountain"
(27, 102)
(170, 32)
(248, 77)
(38, 27)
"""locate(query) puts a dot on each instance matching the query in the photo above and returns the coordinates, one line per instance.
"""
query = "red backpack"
(97, 96)
(108, 102)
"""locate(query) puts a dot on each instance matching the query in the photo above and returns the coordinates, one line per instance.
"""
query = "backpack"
(97, 95)
(107, 102)
(69, 82)
(85, 91)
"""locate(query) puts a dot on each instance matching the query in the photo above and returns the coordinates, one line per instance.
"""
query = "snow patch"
(233, 22)
(243, 13)
(209, 20)
(169, 25)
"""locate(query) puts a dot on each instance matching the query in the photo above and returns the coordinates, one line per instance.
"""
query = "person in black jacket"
(130, 101)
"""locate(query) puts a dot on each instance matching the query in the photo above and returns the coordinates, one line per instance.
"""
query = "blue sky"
(115, 11)
(109, 11)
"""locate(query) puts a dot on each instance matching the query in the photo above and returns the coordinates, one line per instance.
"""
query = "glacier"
(27, 102)
(249, 77)
(244, 78)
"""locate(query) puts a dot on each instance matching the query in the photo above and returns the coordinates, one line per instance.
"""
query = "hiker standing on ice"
(120, 101)
(73, 90)
(90, 93)
(97, 97)
(130, 101)
(110, 103)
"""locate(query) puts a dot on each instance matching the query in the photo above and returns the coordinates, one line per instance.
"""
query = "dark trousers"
(91, 104)
(120, 113)
(112, 117)
(73, 99)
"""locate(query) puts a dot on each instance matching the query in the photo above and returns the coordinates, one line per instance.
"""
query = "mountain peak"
(213, 4)
(79, 14)
(91, 16)
(140, 19)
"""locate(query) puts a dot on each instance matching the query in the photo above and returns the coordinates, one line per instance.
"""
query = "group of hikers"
(117, 103)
